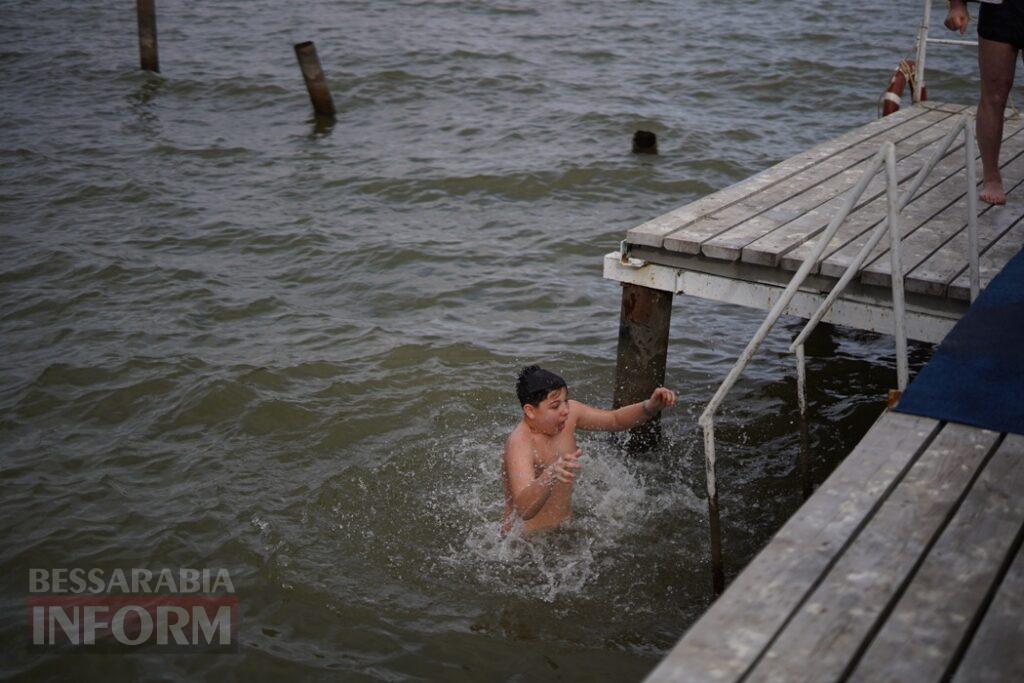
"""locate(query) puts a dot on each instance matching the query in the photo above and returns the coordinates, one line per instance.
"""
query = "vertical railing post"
(972, 207)
(922, 48)
(805, 441)
(714, 525)
(896, 266)
(801, 380)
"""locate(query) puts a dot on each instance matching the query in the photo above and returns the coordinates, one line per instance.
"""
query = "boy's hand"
(957, 18)
(563, 469)
(660, 399)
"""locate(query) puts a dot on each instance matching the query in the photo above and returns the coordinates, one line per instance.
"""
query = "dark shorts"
(1003, 23)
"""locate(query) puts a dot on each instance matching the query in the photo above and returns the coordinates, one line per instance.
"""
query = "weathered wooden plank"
(859, 223)
(769, 249)
(652, 232)
(856, 230)
(919, 212)
(826, 632)
(819, 202)
(944, 264)
(943, 185)
(924, 245)
(936, 274)
(946, 106)
(995, 654)
(689, 238)
(992, 260)
(933, 620)
(737, 628)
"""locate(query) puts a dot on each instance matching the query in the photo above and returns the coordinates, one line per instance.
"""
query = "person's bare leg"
(997, 63)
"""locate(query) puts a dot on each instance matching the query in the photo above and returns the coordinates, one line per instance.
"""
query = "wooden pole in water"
(148, 54)
(642, 354)
(645, 142)
(316, 82)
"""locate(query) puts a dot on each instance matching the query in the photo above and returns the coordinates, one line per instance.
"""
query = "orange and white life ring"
(905, 73)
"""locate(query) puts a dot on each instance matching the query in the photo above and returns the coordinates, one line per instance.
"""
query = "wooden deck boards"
(932, 622)
(651, 233)
(774, 218)
(946, 185)
(995, 654)
(770, 249)
(785, 225)
(804, 190)
(907, 563)
(778, 580)
(905, 566)
(993, 258)
(923, 252)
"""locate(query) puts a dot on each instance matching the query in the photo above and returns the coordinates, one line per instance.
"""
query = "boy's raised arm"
(626, 417)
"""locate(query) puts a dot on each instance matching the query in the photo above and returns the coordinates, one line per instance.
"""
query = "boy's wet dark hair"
(535, 383)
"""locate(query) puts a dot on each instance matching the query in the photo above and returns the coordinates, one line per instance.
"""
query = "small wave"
(277, 416)
(53, 263)
(590, 55)
(597, 181)
(477, 55)
(114, 406)
(210, 153)
(209, 403)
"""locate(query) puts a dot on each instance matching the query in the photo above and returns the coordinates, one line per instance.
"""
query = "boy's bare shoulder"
(518, 439)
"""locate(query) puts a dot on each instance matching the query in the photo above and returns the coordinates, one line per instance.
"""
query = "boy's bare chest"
(546, 452)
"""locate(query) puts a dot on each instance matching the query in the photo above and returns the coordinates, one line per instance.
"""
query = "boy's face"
(550, 415)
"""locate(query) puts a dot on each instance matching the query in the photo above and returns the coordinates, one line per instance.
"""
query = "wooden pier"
(906, 564)
(741, 244)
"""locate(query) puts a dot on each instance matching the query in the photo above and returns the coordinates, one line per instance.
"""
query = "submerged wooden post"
(642, 354)
(149, 57)
(645, 142)
(316, 82)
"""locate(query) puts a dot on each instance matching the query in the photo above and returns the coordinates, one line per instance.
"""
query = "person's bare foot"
(992, 192)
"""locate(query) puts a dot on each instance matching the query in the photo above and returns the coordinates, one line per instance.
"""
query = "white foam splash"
(612, 504)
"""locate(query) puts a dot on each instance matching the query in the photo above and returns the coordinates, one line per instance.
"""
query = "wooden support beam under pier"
(644, 322)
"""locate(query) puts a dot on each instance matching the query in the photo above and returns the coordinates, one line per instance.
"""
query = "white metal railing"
(922, 48)
(886, 155)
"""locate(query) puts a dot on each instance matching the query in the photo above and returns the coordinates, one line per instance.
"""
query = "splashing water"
(614, 503)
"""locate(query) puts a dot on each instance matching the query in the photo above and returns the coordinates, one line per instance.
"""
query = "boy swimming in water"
(541, 457)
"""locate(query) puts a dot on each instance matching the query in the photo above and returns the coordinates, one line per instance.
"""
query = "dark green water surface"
(233, 338)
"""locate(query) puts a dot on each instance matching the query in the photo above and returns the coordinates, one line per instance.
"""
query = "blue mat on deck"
(976, 376)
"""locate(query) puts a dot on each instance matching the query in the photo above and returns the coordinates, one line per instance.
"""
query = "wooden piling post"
(645, 142)
(316, 82)
(642, 354)
(149, 57)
